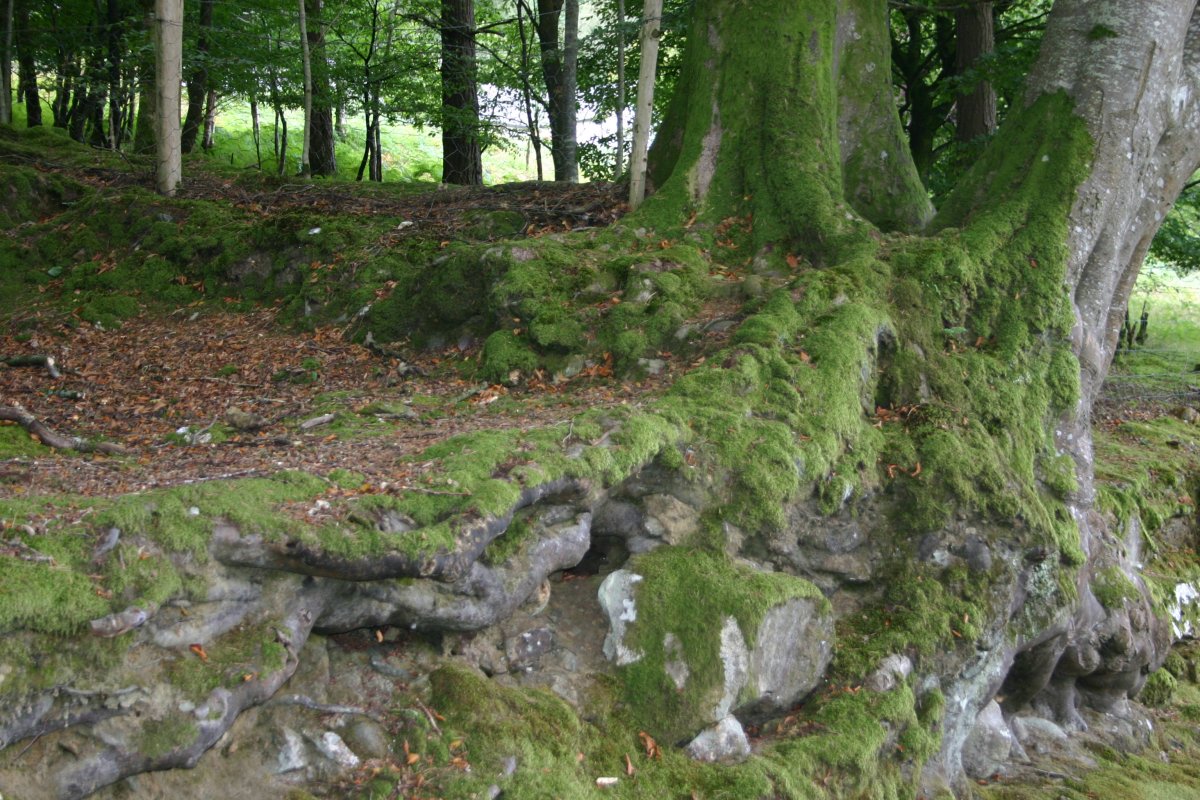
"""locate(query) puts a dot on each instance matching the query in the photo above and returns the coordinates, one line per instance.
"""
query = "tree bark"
(322, 152)
(557, 71)
(1034, 255)
(148, 95)
(168, 75)
(461, 154)
(619, 162)
(26, 68)
(306, 62)
(651, 13)
(113, 35)
(6, 46)
(197, 84)
(975, 39)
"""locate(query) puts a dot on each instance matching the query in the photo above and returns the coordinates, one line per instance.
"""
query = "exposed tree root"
(222, 708)
(231, 546)
(29, 422)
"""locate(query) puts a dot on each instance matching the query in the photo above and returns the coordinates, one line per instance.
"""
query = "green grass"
(410, 154)
(1162, 364)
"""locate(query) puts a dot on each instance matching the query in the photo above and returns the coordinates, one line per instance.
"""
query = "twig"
(420, 490)
(429, 715)
(305, 701)
(229, 382)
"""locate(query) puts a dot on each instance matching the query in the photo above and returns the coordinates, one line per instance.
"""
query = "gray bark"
(169, 74)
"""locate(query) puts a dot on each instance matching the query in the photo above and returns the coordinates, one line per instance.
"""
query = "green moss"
(246, 652)
(181, 518)
(1113, 588)
(505, 353)
(160, 737)
(31, 662)
(107, 311)
(687, 594)
(47, 598)
(1159, 689)
(1101, 32)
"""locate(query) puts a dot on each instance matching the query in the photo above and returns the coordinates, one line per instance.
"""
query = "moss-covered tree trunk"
(997, 323)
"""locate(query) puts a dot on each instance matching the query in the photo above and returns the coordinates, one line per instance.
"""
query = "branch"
(49, 438)
(33, 361)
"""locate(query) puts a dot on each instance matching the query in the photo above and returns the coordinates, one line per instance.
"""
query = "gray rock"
(793, 647)
(725, 742)
(892, 671)
(368, 739)
(988, 744)
(616, 598)
(674, 662)
(735, 662)
(333, 748)
(525, 649)
(669, 519)
(292, 754)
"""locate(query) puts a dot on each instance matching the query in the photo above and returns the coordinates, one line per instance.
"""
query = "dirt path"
(161, 386)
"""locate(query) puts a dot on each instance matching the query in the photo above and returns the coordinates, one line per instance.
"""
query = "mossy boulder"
(698, 637)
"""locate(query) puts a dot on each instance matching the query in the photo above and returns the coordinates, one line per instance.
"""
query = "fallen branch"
(49, 438)
(33, 361)
(305, 701)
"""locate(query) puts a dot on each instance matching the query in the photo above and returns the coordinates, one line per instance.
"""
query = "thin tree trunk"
(26, 68)
(169, 74)
(531, 122)
(113, 34)
(282, 142)
(461, 158)
(197, 85)
(144, 142)
(339, 114)
(6, 100)
(570, 142)
(210, 120)
(306, 62)
(255, 132)
(619, 161)
(975, 38)
(651, 14)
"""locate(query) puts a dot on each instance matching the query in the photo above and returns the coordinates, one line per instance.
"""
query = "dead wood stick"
(304, 701)
(30, 423)
(33, 361)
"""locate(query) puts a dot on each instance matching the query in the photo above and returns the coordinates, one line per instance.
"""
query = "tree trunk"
(322, 153)
(975, 39)
(168, 70)
(6, 46)
(645, 101)
(306, 62)
(531, 122)
(210, 120)
(461, 155)
(1003, 313)
(197, 84)
(560, 87)
(113, 35)
(27, 91)
(255, 132)
(619, 161)
(148, 95)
